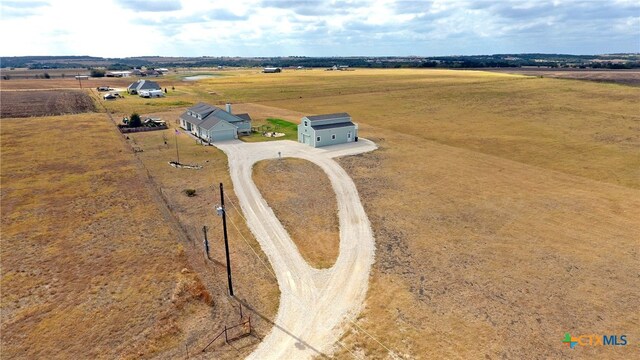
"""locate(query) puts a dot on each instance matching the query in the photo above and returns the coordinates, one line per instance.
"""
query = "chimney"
(229, 108)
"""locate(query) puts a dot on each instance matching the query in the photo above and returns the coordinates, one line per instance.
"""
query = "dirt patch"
(301, 196)
(44, 103)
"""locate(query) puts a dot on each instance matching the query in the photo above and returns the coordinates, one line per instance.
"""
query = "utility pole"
(222, 212)
(206, 241)
(177, 152)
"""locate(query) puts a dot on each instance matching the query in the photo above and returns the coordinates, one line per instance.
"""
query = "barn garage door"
(221, 135)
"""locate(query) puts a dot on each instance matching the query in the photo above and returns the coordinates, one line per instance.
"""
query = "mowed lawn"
(90, 268)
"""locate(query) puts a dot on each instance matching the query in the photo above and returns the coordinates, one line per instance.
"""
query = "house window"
(306, 123)
(348, 135)
(318, 139)
(333, 136)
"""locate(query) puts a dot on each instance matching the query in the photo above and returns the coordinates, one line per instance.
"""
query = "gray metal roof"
(328, 116)
(245, 117)
(188, 118)
(144, 85)
(332, 126)
(202, 109)
(211, 115)
(210, 122)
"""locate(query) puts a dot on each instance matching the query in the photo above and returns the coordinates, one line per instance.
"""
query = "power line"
(276, 278)
(299, 301)
(252, 249)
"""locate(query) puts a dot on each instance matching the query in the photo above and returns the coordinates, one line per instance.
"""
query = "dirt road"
(314, 304)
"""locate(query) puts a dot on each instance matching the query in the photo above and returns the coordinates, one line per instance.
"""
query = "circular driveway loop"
(314, 304)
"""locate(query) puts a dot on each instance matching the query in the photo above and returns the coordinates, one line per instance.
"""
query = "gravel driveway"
(314, 304)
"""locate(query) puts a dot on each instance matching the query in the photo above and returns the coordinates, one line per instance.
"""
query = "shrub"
(97, 73)
(46, 76)
(190, 192)
(135, 121)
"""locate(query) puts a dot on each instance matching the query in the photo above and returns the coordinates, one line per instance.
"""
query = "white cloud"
(115, 28)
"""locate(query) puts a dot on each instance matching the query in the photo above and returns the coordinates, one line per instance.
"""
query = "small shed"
(328, 129)
(272, 70)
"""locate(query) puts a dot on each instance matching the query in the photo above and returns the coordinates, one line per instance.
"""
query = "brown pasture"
(505, 210)
(626, 77)
(44, 103)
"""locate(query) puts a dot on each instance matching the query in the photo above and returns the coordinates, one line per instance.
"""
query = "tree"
(135, 121)
(47, 76)
(97, 73)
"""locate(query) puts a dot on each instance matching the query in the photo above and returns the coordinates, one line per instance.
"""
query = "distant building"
(329, 129)
(155, 73)
(142, 85)
(272, 70)
(118, 74)
(210, 123)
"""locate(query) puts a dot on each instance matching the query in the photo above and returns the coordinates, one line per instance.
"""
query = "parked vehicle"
(111, 96)
(151, 93)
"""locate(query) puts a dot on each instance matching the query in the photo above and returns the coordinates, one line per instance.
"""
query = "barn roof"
(328, 116)
(332, 126)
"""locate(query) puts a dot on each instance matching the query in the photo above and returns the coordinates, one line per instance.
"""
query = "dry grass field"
(626, 77)
(90, 268)
(94, 265)
(505, 210)
(301, 196)
(483, 257)
(254, 285)
(44, 103)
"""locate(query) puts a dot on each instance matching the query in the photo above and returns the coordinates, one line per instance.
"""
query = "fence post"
(226, 338)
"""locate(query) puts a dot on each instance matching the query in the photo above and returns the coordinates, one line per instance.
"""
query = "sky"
(127, 28)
